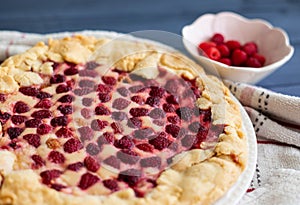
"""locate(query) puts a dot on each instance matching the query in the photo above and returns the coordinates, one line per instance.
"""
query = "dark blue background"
(133, 15)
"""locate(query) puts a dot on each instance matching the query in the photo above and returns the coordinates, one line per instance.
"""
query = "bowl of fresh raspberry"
(236, 48)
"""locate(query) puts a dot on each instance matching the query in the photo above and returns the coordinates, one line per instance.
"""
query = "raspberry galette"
(101, 121)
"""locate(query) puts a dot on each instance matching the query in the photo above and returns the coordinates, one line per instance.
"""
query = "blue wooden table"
(134, 15)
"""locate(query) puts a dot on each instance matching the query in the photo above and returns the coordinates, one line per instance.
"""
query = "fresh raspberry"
(109, 80)
(250, 48)
(56, 157)
(151, 162)
(226, 61)
(66, 99)
(44, 103)
(98, 125)
(104, 89)
(238, 57)
(112, 161)
(233, 45)
(143, 133)
(185, 113)
(2, 98)
(33, 123)
(160, 142)
(91, 164)
(87, 180)
(65, 109)
(43, 129)
(71, 71)
(138, 112)
(117, 127)
(14, 132)
(59, 121)
(134, 122)
(124, 143)
(92, 149)
(206, 115)
(127, 156)
(157, 113)
(49, 175)
(130, 176)
(29, 91)
(173, 119)
(260, 58)
(64, 132)
(157, 91)
(86, 84)
(57, 79)
(137, 88)
(137, 99)
(217, 38)
(145, 147)
(86, 133)
(86, 113)
(41, 114)
(119, 116)
(33, 139)
(38, 161)
(43, 95)
(206, 45)
(172, 99)
(111, 184)
(21, 107)
(153, 101)
(87, 101)
(18, 119)
(224, 50)
(4, 117)
(104, 97)
(123, 91)
(57, 187)
(213, 53)
(188, 141)
(120, 103)
(75, 166)
(62, 88)
(102, 110)
(253, 62)
(168, 108)
(72, 145)
(106, 138)
(173, 130)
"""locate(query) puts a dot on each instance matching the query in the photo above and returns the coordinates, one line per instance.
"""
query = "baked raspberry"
(104, 97)
(14, 132)
(253, 62)
(102, 110)
(137, 88)
(233, 45)
(157, 113)
(224, 50)
(41, 114)
(71, 71)
(59, 121)
(145, 147)
(217, 38)
(109, 80)
(151, 162)
(87, 180)
(106, 138)
(43, 95)
(250, 48)
(72, 145)
(33, 123)
(4, 117)
(238, 57)
(226, 61)
(56, 157)
(18, 119)
(57, 79)
(33, 139)
(2, 98)
(111, 184)
(120, 103)
(91, 164)
(21, 107)
(153, 101)
(124, 143)
(130, 176)
(157, 91)
(213, 53)
(43, 129)
(117, 127)
(173, 130)
(29, 91)
(38, 161)
(57, 187)
(137, 99)
(172, 99)
(92, 149)
(123, 91)
(104, 89)
(160, 142)
(49, 175)
(134, 122)
(112, 161)
(66, 99)
(119, 116)
(62, 88)
(44, 103)
(64, 132)
(143, 133)
(75, 166)
(168, 108)
(127, 156)
(65, 109)
(138, 112)
(98, 125)
(173, 119)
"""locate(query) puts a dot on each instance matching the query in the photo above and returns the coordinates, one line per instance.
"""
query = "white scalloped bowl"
(272, 42)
